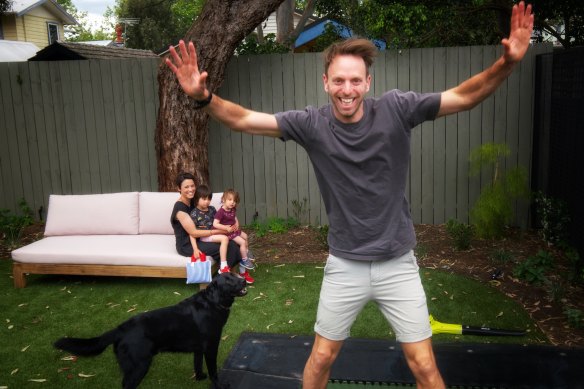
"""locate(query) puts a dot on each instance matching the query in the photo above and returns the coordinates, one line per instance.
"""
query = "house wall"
(36, 29)
(31, 27)
(9, 27)
(270, 26)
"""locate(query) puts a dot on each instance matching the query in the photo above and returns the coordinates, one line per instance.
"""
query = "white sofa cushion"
(155, 211)
(99, 214)
(132, 250)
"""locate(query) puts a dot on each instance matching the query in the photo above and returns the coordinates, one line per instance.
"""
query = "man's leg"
(318, 367)
(421, 361)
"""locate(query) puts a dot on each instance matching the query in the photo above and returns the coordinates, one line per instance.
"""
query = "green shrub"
(276, 225)
(533, 269)
(11, 226)
(575, 317)
(501, 256)
(461, 233)
(300, 209)
(554, 218)
(494, 208)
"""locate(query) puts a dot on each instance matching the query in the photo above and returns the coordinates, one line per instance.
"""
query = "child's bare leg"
(224, 241)
(242, 244)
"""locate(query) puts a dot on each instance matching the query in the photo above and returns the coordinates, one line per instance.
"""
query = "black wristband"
(203, 103)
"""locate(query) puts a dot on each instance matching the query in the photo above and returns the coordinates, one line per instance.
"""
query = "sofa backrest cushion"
(95, 214)
(155, 211)
(156, 208)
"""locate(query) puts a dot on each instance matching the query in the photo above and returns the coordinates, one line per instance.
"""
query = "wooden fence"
(76, 127)
(88, 127)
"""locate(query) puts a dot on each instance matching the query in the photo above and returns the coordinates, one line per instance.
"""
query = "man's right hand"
(186, 69)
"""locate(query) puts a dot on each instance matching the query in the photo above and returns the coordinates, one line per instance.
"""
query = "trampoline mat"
(276, 361)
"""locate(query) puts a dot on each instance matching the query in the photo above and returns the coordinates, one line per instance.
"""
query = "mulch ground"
(545, 303)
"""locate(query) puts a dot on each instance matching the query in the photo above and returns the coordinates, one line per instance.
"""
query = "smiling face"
(187, 190)
(347, 83)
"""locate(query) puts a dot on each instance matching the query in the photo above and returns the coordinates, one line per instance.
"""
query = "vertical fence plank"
(148, 110)
(247, 190)
(269, 143)
(525, 129)
(278, 88)
(89, 117)
(79, 128)
(451, 140)
(100, 125)
(9, 147)
(257, 154)
(475, 123)
(440, 144)
(463, 118)
(235, 87)
(32, 195)
(291, 153)
(41, 145)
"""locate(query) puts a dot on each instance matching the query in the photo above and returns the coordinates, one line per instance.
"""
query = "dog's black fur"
(193, 325)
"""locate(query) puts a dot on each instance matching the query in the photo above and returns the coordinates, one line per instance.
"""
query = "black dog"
(193, 325)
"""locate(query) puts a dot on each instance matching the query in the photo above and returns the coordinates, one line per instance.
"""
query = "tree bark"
(284, 20)
(181, 136)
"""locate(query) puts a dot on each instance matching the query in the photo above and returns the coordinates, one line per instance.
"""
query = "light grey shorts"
(395, 286)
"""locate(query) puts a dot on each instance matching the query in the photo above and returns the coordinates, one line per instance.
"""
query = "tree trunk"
(284, 20)
(181, 137)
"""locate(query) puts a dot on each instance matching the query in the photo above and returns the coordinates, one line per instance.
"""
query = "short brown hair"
(359, 47)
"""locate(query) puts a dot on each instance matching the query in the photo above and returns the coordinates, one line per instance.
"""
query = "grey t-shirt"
(362, 168)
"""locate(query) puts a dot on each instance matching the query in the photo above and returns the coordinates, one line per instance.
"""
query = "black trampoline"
(264, 361)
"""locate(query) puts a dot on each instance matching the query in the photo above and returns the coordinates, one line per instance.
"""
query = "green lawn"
(283, 301)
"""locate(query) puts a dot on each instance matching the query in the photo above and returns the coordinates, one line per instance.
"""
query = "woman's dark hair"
(202, 192)
(183, 176)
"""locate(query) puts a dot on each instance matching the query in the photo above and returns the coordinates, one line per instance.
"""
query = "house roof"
(62, 51)
(21, 7)
(15, 51)
(318, 27)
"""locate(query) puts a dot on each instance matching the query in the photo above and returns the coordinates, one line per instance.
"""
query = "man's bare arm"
(193, 82)
(474, 90)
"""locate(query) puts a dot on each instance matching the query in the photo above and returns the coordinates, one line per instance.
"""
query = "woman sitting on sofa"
(183, 226)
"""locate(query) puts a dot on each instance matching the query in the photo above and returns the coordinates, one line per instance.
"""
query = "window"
(53, 32)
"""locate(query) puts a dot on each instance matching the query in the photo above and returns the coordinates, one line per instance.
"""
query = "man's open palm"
(186, 69)
(520, 35)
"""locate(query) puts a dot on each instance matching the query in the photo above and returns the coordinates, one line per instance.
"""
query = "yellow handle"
(445, 328)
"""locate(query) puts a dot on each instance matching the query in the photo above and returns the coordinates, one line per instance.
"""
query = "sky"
(94, 9)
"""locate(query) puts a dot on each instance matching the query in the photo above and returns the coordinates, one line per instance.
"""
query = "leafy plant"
(533, 269)
(501, 256)
(421, 250)
(494, 208)
(300, 208)
(554, 218)
(12, 225)
(276, 225)
(575, 317)
(556, 290)
(461, 234)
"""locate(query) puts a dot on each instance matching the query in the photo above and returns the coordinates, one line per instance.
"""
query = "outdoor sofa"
(114, 234)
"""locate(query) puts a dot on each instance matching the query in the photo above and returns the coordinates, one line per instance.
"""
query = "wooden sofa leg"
(19, 276)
